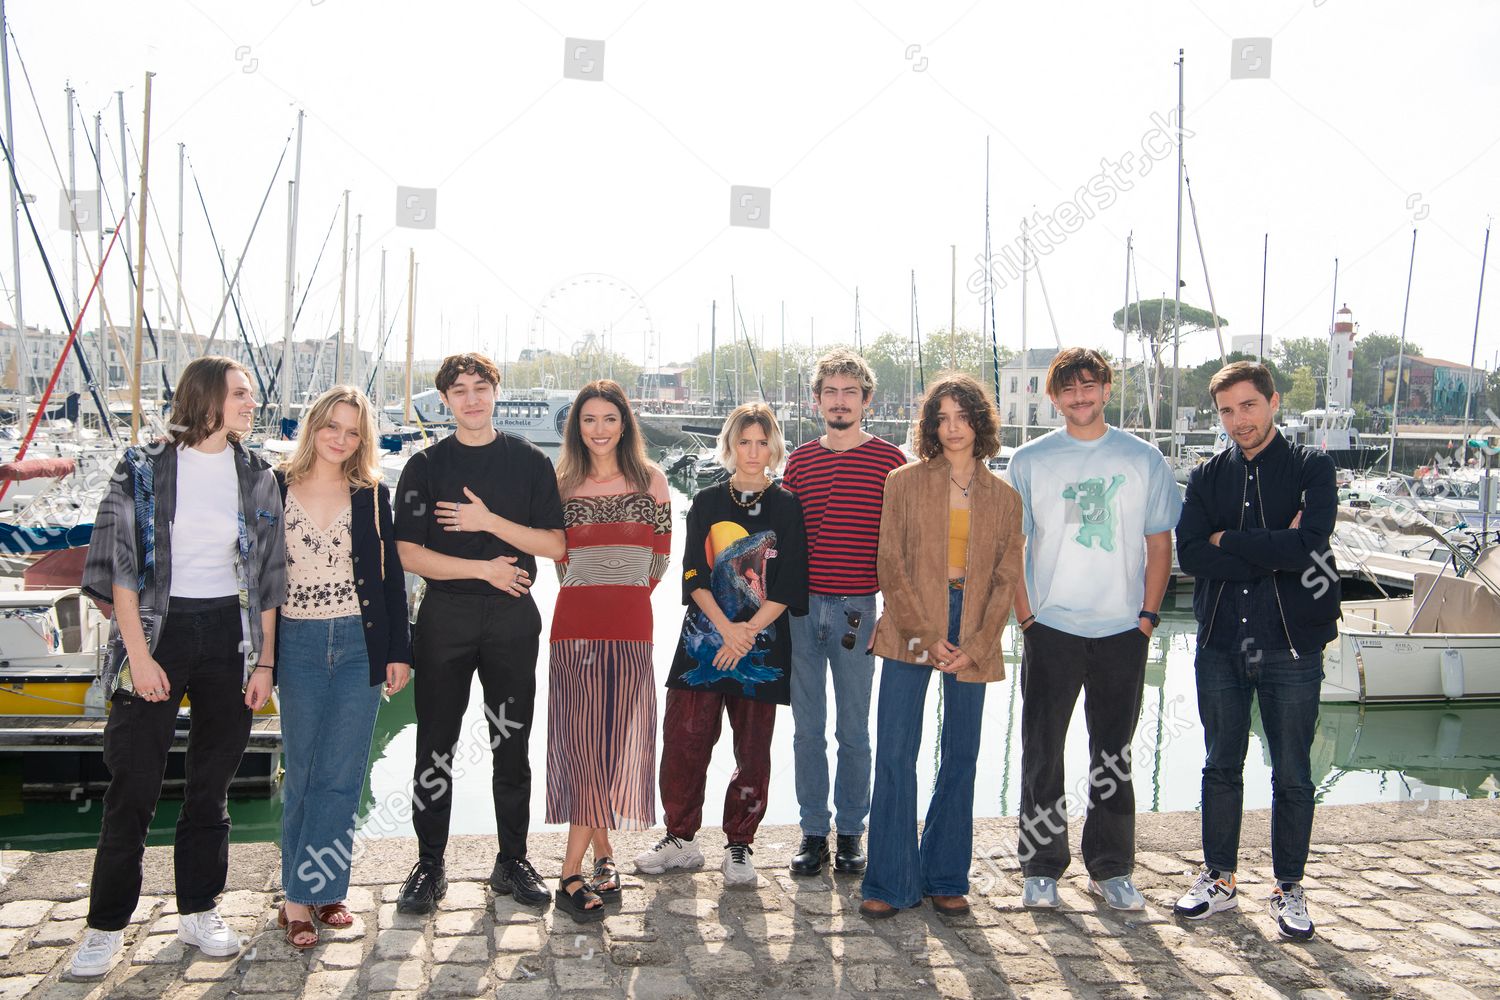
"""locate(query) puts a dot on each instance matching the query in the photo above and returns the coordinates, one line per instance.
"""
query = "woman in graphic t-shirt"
(744, 574)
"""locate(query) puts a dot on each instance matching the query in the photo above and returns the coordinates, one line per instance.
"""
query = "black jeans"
(1287, 690)
(199, 650)
(457, 634)
(1111, 671)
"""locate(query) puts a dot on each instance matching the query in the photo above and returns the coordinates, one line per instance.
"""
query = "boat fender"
(1453, 673)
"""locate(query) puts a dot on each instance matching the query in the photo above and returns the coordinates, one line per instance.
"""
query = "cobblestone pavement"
(1406, 905)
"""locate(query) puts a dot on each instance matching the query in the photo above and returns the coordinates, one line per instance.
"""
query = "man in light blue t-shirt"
(1100, 505)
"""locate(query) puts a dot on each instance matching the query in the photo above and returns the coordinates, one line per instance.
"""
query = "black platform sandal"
(605, 871)
(577, 903)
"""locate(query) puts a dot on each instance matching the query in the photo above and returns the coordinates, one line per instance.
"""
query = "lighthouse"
(1341, 359)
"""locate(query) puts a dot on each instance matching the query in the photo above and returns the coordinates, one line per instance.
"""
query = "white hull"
(1373, 655)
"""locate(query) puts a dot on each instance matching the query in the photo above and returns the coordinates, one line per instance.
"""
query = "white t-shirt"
(205, 529)
(1088, 507)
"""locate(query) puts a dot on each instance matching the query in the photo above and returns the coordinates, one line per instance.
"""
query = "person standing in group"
(1254, 534)
(601, 695)
(948, 584)
(744, 575)
(188, 548)
(473, 513)
(1100, 506)
(840, 480)
(342, 634)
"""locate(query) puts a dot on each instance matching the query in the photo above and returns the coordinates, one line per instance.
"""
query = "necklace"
(964, 486)
(734, 494)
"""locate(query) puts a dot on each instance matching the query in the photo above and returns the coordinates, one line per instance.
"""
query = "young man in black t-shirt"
(473, 512)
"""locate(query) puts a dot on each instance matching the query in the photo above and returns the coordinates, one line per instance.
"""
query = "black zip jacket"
(1289, 478)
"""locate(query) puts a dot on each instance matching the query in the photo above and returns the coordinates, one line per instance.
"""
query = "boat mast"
(99, 214)
(1474, 347)
(1265, 260)
(1332, 319)
(288, 368)
(1390, 456)
(181, 263)
(140, 274)
(338, 345)
(713, 357)
(1025, 408)
(380, 339)
(130, 288)
(1177, 285)
(354, 360)
(23, 372)
(411, 320)
(1125, 330)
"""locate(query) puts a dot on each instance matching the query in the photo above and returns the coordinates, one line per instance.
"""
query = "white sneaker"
(1212, 893)
(738, 869)
(670, 854)
(1119, 892)
(209, 933)
(97, 953)
(1040, 893)
(1289, 907)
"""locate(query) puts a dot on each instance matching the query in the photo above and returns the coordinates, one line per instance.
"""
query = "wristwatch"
(1150, 616)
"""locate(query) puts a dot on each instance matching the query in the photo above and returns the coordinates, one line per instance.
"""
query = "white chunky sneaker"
(1119, 892)
(1289, 907)
(208, 932)
(1040, 893)
(737, 867)
(97, 953)
(1213, 892)
(670, 854)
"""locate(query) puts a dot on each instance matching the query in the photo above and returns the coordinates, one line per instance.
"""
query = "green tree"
(1303, 393)
(1153, 319)
(1305, 352)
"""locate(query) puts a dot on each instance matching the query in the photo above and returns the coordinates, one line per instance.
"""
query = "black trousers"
(199, 650)
(456, 635)
(1111, 671)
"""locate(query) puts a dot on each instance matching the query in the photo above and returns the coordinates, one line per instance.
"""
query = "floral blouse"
(319, 565)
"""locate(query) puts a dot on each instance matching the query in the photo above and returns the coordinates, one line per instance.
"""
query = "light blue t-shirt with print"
(1089, 506)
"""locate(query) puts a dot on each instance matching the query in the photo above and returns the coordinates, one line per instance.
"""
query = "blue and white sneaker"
(1289, 907)
(1213, 892)
(1119, 892)
(1040, 893)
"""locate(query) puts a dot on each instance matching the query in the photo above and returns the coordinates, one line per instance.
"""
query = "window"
(1014, 382)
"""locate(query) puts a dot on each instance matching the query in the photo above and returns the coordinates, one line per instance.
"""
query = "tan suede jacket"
(913, 567)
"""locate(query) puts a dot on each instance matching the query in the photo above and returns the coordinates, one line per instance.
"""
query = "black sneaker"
(811, 856)
(422, 889)
(850, 856)
(516, 878)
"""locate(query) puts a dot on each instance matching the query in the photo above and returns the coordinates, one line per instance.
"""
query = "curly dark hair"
(465, 364)
(968, 394)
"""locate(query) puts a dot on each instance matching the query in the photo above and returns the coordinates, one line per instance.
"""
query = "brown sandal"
(334, 915)
(296, 929)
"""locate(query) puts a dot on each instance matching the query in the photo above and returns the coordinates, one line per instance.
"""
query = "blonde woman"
(342, 634)
(744, 573)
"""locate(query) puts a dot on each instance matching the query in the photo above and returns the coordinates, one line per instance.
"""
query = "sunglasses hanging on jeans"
(853, 618)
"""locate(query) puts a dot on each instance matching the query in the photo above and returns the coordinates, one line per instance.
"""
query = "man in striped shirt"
(840, 479)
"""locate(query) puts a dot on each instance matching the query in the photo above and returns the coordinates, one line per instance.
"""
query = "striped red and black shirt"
(841, 493)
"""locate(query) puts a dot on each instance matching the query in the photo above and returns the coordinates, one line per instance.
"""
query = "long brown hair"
(576, 461)
(198, 401)
(966, 391)
(362, 468)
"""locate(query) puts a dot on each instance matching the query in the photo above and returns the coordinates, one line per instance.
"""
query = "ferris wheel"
(590, 315)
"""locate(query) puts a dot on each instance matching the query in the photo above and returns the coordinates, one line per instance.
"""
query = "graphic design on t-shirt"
(738, 584)
(1096, 512)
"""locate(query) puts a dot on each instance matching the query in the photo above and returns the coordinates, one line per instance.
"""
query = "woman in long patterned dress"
(601, 710)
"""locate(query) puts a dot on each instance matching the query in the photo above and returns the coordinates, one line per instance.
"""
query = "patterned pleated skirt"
(601, 734)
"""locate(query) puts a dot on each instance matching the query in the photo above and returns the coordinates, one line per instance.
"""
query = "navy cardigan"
(379, 581)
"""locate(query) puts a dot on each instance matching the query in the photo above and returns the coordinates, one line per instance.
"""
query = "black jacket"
(1290, 478)
(380, 584)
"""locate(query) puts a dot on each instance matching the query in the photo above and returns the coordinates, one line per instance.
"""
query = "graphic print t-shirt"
(1089, 506)
(744, 557)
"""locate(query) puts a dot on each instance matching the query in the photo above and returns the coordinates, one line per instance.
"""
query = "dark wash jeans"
(199, 650)
(1288, 693)
(1111, 672)
(457, 635)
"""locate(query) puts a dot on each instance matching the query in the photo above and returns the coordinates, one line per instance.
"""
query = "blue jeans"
(902, 870)
(817, 650)
(328, 711)
(1288, 693)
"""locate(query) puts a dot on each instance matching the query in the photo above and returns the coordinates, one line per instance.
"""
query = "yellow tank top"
(958, 538)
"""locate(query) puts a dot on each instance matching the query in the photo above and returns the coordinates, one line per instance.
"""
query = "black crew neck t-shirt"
(510, 474)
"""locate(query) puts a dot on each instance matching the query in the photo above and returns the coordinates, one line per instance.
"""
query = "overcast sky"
(866, 121)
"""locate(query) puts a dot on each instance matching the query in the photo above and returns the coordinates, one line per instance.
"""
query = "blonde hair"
(751, 413)
(361, 468)
(842, 361)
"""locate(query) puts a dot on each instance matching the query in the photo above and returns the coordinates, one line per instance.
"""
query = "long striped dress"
(601, 708)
